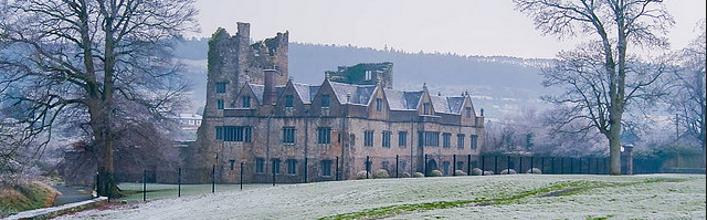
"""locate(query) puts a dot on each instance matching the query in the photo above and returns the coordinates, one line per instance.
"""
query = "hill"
(502, 85)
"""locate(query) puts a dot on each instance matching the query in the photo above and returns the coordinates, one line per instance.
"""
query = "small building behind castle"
(258, 120)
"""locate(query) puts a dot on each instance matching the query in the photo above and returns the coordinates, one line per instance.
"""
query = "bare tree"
(637, 22)
(99, 62)
(688, 99)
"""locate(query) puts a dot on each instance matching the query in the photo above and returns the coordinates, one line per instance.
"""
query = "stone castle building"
(256, 116)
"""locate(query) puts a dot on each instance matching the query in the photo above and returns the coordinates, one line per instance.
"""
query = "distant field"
(666, 196)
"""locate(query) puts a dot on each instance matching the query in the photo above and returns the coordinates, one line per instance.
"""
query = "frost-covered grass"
(470, 197)
(133, 191)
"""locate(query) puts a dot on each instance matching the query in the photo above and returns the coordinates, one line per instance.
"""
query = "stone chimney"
(243, 31)
(269, 86)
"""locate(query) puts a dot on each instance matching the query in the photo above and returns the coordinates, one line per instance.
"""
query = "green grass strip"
(563, 188)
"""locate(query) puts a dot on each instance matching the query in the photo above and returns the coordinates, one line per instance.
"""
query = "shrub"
(459, 173)
(380, 174)
(488, 173)
(534, 171)
(476, 172)
(362, 175)
(405, 175)
(418, 175)
(435, 173)
(24, 195)
(508, 171)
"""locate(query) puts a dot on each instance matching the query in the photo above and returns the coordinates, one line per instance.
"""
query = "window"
(368, 138)
(246, 101)
(426, 108)
(385, 165)
(386, 139)
(323, 135)
(219, 103)
(431, 139)
(460, 165)
(288, 135)
(221, 87)
(259, 165)
(289, 101)
(474, 140)
(368, 75)
(402, 138)
(234, 133)
(219, 133)
(446, 140)
(291, 166)
(420, 139)
(232, 163)
(403, 164)
(379, 104)
(467, 110)
(460, 141)
(276, 166)
(326, 100)
(445, 167)
(326, 167)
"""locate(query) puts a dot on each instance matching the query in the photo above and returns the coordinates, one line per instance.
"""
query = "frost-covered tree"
(616, 26)
(688, 99)
(97, 62)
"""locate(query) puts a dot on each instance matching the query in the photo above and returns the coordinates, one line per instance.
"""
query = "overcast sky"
(470, 27)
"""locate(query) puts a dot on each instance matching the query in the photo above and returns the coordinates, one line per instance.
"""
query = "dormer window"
(427, 108)
(368, 75)
(289, 101)
(326, 100)
(467, 111)
(246, 101)
(379, 104)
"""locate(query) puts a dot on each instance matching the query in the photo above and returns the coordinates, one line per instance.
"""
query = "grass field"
(667, 196)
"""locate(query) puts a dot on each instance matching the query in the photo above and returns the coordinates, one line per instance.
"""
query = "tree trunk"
(615, 149)
(106, 185)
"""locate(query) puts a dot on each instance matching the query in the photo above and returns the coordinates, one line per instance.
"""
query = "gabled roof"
(306, 92)
(258, 90)
(403, 100)
(360, 94)
(455, 104)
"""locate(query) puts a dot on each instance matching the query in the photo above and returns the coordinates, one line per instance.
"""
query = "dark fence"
(235, 174)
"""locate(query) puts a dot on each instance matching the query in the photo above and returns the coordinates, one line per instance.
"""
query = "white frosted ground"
(314, 200)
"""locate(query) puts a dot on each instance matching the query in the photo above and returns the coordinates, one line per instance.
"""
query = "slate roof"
(455, 104)
(447, 104)
(258, 90)
(360, 94)
(403, 100)
(306, 92)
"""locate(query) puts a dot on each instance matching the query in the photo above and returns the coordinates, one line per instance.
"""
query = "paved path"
(71, 194)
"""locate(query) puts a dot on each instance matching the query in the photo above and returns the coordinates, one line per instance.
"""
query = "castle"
(259, 122)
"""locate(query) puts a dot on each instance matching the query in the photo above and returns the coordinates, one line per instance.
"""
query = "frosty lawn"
(514, 196)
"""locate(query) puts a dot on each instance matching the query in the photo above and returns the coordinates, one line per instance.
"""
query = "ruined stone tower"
(233, 61)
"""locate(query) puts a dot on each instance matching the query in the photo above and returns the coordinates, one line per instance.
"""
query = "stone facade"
(309, 132)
